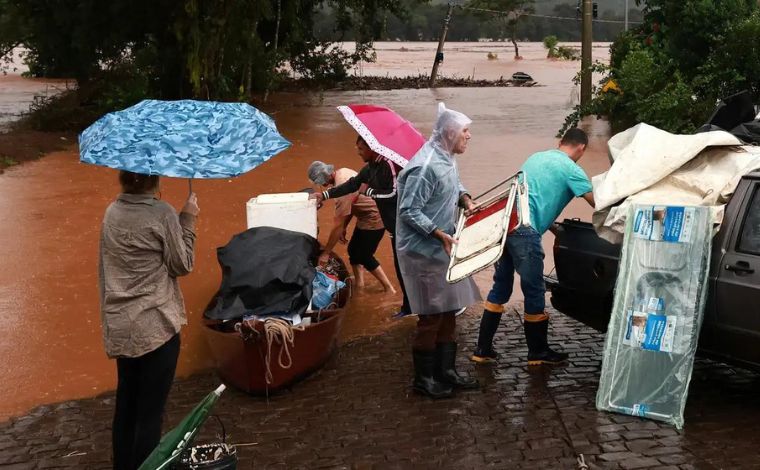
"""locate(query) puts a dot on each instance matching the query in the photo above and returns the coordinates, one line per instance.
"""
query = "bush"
(550, 43)
(735, 64)
(554, 51)
(673, 69)
(568, 53)
(329, 62)
(119, 87)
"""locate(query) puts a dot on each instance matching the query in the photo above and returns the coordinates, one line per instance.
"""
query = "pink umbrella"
(385, 132)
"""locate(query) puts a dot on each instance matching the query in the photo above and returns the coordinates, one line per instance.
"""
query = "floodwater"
(51, 210)
(17, 93)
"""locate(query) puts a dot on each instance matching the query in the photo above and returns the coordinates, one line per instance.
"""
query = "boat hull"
(241, 363)
(241, 358)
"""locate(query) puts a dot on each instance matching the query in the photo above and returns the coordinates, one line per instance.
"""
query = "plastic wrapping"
(657, 312)
(325, 289)
(428, 192)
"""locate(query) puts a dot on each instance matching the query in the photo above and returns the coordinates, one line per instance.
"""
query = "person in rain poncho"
(429, 193)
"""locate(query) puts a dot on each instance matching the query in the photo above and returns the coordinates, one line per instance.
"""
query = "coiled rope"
(280, 331)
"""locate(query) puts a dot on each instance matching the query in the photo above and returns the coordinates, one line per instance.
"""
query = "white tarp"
(651, 166)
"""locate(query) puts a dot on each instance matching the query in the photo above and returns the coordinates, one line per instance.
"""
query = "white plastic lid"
(280, 198)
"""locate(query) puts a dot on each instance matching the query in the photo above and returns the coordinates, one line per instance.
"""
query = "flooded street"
(17, 94)
(358, 411)
(52, 208)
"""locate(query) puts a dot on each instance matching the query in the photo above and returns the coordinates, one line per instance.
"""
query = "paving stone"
(19, 466)
(639, 462)
(616, 456)
(359, 413)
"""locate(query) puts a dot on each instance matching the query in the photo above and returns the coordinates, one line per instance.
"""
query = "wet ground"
(52, 345)
(359, 413)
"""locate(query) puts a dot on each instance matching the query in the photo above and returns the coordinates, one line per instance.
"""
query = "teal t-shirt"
(553, 181)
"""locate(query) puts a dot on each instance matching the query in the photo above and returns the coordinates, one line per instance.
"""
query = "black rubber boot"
(424, 379)
(445, 368)
(484, 353)
(538, 347)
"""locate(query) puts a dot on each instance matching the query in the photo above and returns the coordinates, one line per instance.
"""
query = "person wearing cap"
(369, 227)
(430, 192)
(554, 179)
(377, 180)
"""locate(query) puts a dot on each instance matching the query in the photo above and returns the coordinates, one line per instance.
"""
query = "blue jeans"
(525, 255)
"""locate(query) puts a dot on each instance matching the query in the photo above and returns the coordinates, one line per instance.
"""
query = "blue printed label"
(629, 326)
(655, 305)
(637, 223)
(659, 333)
(643, 225)
(640, 409)
(661, 223)
(673, 224)
(654, 331)
(634, 333)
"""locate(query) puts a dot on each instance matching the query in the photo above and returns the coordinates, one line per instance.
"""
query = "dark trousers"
(433, 329)
(405, 307)
(362, 248)
(141, 394)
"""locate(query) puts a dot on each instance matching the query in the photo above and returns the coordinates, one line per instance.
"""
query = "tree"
(508, 13)
(220, 49)
(672, 69)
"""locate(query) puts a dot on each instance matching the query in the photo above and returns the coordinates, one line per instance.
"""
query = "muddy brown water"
(51, 209)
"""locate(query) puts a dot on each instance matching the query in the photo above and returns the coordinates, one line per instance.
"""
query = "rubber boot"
(424, 380)
(445, 368)
(538, 346)
(484, 353)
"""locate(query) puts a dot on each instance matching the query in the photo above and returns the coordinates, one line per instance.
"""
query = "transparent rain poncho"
(429, 192)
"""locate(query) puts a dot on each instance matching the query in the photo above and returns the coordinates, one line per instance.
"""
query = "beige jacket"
(144, 248)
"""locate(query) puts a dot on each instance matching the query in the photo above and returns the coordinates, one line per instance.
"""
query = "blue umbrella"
(186, 139)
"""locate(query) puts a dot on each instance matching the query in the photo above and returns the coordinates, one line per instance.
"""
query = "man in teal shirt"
(554, 179)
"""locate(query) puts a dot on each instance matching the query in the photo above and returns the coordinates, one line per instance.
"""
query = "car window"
(749, 242)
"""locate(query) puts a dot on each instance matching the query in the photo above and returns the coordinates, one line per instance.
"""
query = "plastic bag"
(325, 288)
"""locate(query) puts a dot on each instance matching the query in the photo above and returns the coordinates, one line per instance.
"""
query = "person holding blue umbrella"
(146, 246)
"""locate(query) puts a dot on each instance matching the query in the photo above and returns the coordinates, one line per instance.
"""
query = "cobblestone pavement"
(358, 413)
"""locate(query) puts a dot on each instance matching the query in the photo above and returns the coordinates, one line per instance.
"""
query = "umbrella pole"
(190, 184)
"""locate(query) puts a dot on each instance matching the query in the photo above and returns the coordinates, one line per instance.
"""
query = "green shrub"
(673, 69)
(550, 43)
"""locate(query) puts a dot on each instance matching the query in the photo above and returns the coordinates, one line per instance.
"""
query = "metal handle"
(224, 431)
(739, 269)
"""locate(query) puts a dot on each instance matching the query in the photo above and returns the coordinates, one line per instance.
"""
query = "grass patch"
(6, 161)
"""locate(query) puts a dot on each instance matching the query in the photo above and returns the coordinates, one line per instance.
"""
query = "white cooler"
(289, 211)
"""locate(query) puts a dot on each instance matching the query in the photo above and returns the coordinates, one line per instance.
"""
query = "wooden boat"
(240, 356)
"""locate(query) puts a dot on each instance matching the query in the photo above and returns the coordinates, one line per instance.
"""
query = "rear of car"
(586, 267)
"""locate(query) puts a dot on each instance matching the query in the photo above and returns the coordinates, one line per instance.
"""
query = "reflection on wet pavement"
(358, 412)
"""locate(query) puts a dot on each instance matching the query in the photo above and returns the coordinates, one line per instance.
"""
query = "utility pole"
(626, 15)
(586, 52)
(439, 52)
